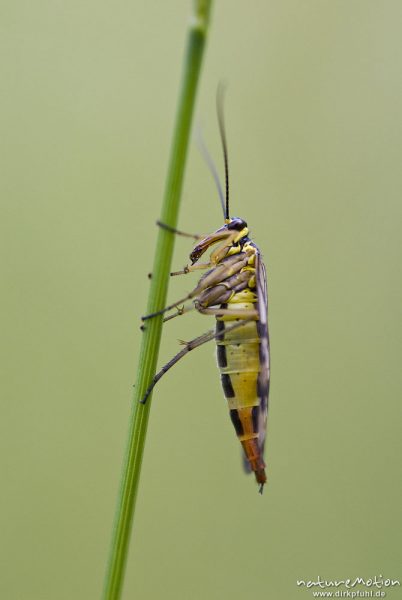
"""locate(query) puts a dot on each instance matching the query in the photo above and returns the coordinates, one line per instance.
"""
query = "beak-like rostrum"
(216, 236)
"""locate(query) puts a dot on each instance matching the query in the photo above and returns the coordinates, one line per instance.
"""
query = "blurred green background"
(313, 113)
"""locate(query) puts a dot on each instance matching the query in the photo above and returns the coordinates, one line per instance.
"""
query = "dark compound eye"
(237, 224)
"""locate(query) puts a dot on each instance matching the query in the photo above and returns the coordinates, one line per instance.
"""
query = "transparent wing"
(262, 324)
(263, 376)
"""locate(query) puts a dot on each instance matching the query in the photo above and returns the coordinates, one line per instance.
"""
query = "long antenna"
(202, 147)
(221, 121)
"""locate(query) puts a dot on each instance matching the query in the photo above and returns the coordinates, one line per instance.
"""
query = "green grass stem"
(157, 299)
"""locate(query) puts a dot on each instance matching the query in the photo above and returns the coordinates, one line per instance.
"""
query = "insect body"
(234, 290)
(242, 352)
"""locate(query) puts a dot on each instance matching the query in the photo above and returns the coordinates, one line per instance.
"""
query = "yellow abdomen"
(239, 363)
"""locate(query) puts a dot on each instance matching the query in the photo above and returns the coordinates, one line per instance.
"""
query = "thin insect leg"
(180, 311)
(250, 315)
(219, 273)
(190, 346)
(191, 268)
(188, 269)
(194, 236)
(167, 308)
(195, 343)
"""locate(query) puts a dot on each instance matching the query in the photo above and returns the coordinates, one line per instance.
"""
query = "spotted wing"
(262, 326)
(263, 375)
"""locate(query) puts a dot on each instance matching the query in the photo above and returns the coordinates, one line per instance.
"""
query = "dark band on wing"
(261, 327)
(262, 330)
(262, 385)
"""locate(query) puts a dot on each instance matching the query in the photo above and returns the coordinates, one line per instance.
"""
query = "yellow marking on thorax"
(233, 250)
(246, 296)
